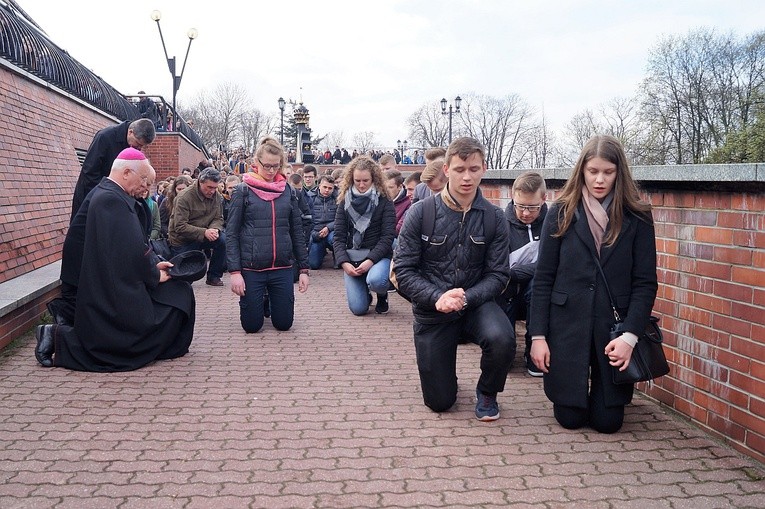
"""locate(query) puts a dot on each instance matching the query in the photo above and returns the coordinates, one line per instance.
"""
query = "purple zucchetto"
(131, 154)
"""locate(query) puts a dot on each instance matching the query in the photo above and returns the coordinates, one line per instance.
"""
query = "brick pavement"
(329, 414)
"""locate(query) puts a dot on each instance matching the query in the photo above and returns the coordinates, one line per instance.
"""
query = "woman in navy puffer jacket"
(264, 238)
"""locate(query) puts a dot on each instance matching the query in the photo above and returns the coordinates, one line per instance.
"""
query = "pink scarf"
(597, 217)
(267, 191)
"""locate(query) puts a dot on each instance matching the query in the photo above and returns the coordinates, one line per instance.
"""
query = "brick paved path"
(329, 414)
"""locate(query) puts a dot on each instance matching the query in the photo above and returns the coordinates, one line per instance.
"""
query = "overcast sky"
(366, 66)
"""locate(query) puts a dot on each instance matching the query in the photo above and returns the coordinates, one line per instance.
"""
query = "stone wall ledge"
(23, 289)
(749, 177)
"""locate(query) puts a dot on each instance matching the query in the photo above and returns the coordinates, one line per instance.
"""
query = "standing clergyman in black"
(103, 150)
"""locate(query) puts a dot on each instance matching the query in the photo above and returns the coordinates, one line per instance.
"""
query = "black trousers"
(62, 308)
(518, 308)
(601, 418)
(436, 348)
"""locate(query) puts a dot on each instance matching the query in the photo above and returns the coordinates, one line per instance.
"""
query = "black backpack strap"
(490, 223)
(428, 218)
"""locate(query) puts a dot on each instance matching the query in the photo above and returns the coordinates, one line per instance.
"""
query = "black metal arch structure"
(24, 44)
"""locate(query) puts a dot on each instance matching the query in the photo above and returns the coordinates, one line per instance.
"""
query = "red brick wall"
(711, 300)
(39, 167)
(23, 318)
(711, 258)
(170, 153)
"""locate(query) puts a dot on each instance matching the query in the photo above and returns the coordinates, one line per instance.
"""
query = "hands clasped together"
(452, 300)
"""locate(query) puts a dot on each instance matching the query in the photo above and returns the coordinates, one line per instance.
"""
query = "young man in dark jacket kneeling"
(453, 276)
(525, 215)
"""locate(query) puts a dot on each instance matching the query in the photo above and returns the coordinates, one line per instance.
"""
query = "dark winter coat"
(324, 212)
(520, 235)
(264, 235)
(457, 255)
(378, 237)
(570, 306)
(310, 195)
(306, 217)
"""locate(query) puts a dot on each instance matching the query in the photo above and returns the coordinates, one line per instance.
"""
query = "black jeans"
(601, 418)
(518, 307)
(436, 347)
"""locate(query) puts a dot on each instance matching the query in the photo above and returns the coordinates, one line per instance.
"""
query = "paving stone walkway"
(329, 415)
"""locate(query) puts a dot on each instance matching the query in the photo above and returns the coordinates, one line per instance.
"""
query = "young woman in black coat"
(598, 218)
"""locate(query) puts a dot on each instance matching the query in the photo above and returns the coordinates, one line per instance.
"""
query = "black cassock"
(103, 150)
(125, 318)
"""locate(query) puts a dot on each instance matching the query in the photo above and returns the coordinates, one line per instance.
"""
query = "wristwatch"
(464, 302)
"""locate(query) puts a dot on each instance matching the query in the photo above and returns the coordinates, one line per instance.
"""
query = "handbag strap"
(608, 290)
(605, 281)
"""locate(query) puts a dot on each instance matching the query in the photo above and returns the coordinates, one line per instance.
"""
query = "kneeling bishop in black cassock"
(129, 311)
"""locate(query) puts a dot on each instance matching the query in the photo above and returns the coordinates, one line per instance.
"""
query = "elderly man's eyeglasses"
(144, 179)
(270, 167)
(527, 208)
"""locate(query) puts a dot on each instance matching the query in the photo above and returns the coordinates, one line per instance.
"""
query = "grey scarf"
(359, 207)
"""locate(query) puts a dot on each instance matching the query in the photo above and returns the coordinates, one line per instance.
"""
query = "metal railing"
(29, 49)
(161, 120)
(25, 46)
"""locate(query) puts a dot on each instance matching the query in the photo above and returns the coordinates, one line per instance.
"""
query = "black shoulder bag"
(648, 360)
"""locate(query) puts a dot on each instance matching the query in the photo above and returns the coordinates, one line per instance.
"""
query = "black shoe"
(382, 304)
(532, 369)
(266, 306)
(215, 282)
(45, 345)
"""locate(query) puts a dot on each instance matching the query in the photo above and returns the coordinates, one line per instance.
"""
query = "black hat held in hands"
(189, 266)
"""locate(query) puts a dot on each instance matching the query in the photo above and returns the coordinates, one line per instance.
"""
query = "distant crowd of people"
(240, 160)
(156, 111)
(469, 269)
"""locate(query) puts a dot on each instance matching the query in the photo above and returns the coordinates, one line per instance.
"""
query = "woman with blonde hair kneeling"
(365, 225)
(264, 239)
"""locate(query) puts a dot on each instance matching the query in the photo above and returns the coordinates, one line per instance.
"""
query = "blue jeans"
(318, 249)
(218, 258)
(281, 294)
(357, 288)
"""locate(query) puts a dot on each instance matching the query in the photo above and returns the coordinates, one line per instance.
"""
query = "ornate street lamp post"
(457, 101)
(402, 148)
(282, 103)
(191, 34)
